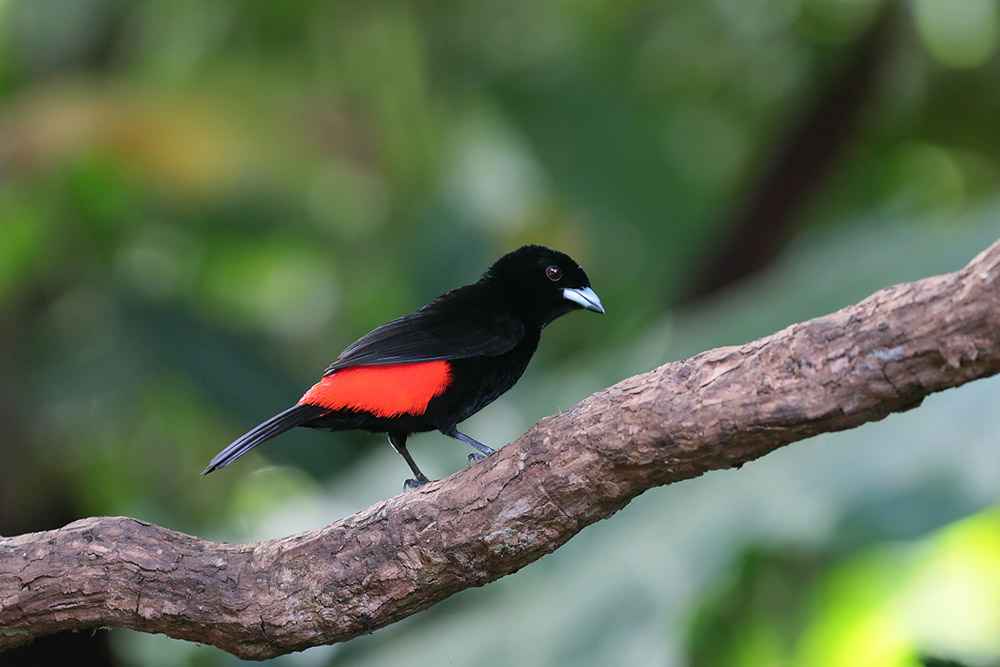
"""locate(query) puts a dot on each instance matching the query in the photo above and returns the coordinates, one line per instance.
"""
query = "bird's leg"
(484, 451)
(398, 442)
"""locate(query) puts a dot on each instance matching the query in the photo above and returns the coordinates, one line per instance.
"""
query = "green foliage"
(202, 203)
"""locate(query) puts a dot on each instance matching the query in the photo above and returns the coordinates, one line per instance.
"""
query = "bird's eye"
(554, 273)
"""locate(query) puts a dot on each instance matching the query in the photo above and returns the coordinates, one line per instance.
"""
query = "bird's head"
(543, 282)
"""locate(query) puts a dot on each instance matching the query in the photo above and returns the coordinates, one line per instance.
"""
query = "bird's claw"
(475, 458)
(411, 484)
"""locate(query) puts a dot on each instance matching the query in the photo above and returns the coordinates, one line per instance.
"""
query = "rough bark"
(719, 409)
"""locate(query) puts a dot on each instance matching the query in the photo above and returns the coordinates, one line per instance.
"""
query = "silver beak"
(584, 296)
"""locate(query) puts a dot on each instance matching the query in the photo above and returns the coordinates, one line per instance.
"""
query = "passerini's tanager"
(434, 368)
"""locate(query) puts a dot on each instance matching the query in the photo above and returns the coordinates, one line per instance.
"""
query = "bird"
(438, 366)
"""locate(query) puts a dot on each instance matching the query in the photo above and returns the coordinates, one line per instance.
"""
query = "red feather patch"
(388, 390)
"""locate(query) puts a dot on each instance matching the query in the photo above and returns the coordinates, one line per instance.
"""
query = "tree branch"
(719, 409)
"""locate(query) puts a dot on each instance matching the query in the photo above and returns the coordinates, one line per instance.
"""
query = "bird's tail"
(296, 415)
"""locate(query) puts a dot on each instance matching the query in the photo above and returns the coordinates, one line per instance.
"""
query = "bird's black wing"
(461, 324)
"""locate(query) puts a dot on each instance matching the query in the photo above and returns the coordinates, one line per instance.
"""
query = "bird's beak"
(584, 296)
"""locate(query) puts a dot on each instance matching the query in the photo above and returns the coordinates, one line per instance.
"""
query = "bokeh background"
(202, 203)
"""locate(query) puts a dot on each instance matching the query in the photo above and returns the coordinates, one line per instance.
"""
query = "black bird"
(436, 367)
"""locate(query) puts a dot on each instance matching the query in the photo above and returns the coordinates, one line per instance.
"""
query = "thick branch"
(719, 409)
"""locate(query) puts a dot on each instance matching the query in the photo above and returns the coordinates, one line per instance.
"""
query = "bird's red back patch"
(389, 390)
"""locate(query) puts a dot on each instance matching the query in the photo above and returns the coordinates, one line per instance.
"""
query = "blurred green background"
(202, 203)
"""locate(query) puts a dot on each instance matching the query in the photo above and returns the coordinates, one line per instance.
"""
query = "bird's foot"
(475, 458)
(411, 484)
